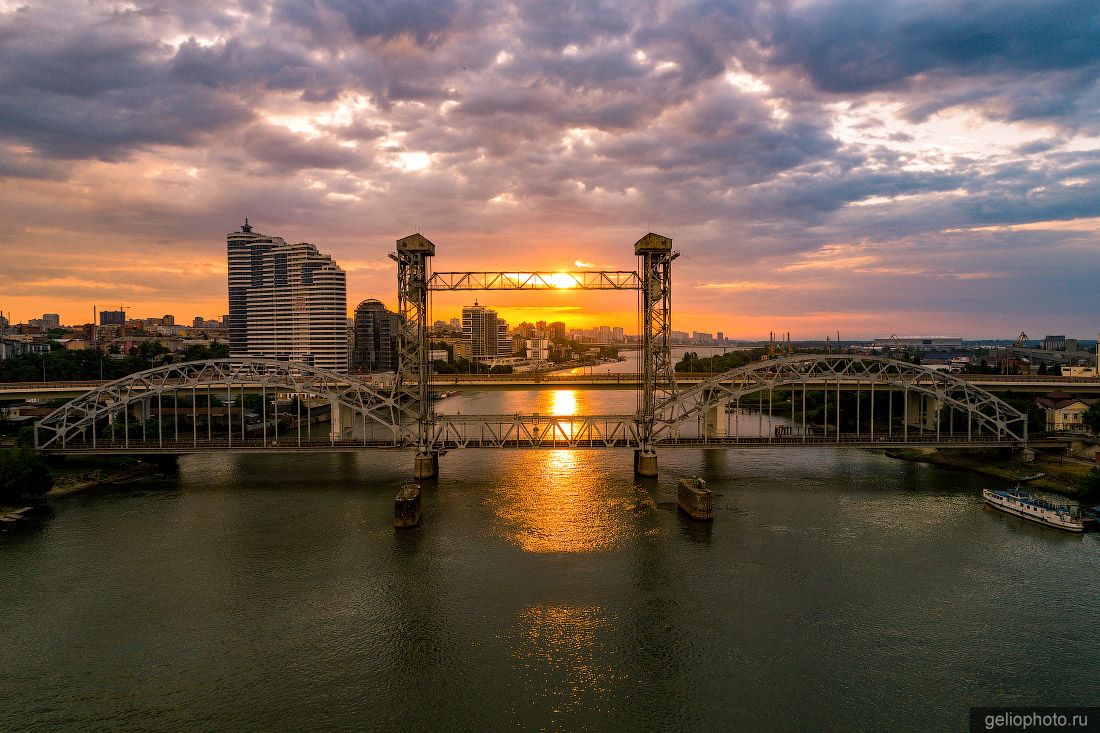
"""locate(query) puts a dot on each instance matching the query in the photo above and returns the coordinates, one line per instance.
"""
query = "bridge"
(823, 399)
(994, 383)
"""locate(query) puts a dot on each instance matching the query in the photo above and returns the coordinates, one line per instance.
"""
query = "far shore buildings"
(286, 301)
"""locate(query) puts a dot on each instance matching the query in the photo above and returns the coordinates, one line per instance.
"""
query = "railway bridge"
(245, 404)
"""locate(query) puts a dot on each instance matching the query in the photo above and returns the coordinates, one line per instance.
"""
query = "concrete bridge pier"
(342, 422)
(426, 465)
(141, 410)
(923, 410)
(645, 462)
(714, 424)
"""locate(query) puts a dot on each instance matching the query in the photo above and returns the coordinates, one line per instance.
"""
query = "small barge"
(694, 498)
(406, 506)
(1022, 504)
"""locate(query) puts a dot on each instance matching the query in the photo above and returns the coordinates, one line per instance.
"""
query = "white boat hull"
(1035, 514)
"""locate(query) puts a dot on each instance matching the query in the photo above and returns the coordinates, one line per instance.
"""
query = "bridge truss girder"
(583, 280)
(533, 431)
(76, 420)
(831, 371)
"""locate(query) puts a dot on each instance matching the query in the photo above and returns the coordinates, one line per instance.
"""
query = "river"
(836, 589)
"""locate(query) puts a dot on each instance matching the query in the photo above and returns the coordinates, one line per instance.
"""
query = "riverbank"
(1063, 476)
(91, 475)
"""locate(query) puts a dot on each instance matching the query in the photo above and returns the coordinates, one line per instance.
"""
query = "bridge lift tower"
(414, 279)
(412, 388)
(655, 258)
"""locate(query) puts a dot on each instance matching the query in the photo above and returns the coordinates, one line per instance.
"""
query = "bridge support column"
(715, 422)
(426, 465)
(336, 419)
(645, 462)
(141, 410)
(924, 410)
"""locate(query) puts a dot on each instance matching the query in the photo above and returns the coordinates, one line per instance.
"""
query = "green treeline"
(61, 365)
(692, 362)
(24, 477)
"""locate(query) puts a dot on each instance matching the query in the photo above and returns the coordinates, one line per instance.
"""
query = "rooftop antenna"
(246, 227)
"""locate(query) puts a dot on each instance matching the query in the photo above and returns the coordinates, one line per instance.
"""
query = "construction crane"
(1013, 364)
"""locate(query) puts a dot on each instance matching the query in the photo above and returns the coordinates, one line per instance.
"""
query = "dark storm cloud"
(855, 46)
(424, 20)
(1027, 58)
(99, 91)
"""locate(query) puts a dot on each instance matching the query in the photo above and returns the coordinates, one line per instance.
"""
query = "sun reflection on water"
(563, 500)
(558, 651)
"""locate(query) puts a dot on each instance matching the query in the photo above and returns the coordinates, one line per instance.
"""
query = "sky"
(920, 168)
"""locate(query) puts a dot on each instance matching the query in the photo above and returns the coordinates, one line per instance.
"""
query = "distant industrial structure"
(918, 344)
(286, 301)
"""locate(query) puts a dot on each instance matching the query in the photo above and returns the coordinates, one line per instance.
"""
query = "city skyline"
(939, 176)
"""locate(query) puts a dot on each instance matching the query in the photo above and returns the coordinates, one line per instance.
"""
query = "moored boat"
(406, 506)
(1022, 504)
(694, 498)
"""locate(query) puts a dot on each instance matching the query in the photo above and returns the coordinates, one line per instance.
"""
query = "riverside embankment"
(1063, 474)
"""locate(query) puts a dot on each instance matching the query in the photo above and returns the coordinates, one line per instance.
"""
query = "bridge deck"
(345, 445)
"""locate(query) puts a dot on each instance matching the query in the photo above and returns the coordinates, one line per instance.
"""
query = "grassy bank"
(1062, 476)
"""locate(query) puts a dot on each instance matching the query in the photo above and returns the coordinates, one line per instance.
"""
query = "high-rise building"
(557, 331)
(112, 318)
(375, 343)
(167, 320)
(286, 301)
(51, 320)
(486, 334)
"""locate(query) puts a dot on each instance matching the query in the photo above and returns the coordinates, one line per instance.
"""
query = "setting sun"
(563, 280)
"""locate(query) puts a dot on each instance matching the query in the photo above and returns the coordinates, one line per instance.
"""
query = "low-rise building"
(1064, 412)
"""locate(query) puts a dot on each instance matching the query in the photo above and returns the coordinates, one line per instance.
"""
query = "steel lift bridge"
(923, 406)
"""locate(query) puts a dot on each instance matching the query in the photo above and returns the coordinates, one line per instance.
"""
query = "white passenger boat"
(1023, 504)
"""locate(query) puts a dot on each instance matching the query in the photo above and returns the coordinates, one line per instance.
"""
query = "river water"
(836, 590)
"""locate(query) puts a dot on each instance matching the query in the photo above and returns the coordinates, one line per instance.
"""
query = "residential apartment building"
(486, 334)
(286, 301)
(376, 329)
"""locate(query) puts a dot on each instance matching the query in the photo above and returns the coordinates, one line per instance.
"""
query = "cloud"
(875, 156)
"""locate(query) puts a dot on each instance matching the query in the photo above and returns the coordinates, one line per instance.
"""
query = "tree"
(24, 476)
(1091, 418)
(1089, 488)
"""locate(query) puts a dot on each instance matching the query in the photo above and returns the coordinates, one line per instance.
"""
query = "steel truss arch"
(989, 411)
(72, 420)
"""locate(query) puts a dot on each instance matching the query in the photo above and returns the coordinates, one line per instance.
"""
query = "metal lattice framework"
(825, 371)
(76, 421)
(590, 280)
(73, 427)
(412, 385)
(533, 431)
(655, 256)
